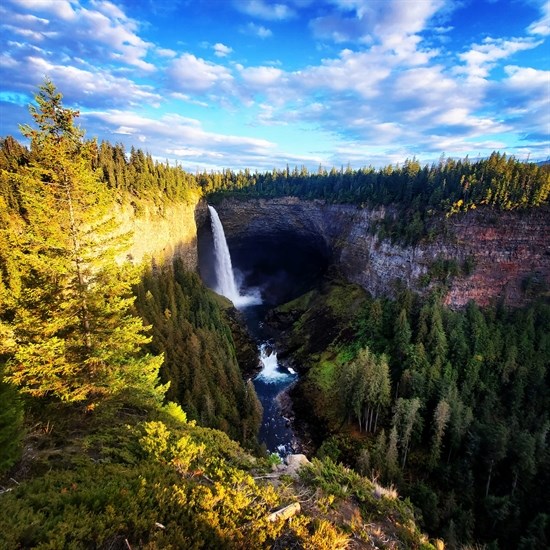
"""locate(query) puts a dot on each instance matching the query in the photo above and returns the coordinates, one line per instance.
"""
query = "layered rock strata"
(507, 253)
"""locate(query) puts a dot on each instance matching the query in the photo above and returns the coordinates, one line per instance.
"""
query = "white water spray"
(224, 270)
(270, 372)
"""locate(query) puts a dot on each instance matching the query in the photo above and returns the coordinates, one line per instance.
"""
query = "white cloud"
(256, 30)
(528, 79)
(358, 71)
(24, 18)
(427, 83)
(107, 32)
(90, 85)
(483, 57)
(59, 8)
(393, 26)
(109, 9)
(29, 34)
(542, 26)
(194, 74)
(403, 18)
(166, 52)
(181, 132)
(389, 21)
(221, 50)
(267, 116)
(188, 99)
(265, 9)
(194, 152)
(7, 61)
(261, 76)
(127, 45)
(523, 97)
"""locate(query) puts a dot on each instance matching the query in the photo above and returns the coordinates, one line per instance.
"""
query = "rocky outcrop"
(160, 232)
(504, 252)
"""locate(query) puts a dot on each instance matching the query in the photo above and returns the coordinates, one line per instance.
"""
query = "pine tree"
(406, 418)
(73, 332)
(441, 417)
(402, 335)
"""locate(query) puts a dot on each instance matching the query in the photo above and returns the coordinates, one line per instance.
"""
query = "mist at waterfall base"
(275, 431)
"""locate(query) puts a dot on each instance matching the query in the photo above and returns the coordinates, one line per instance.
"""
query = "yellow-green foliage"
(175, 411)
(339, 483)
(319, 535)
(178, 493)
(163, 446)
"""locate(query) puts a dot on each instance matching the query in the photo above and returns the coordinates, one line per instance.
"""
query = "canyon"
(287, 240)
(507, 254)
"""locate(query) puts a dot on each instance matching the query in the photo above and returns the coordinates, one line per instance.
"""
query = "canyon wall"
(507, 254)
(160, 232)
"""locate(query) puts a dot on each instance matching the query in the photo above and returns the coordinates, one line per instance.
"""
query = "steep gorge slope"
(481, 255)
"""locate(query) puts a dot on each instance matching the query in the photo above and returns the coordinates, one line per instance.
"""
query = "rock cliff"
(160, 232)
(507, 253)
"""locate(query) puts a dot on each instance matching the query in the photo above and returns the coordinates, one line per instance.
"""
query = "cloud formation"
(221, 50)
(276, 82)
(194, 74)
(256, 30)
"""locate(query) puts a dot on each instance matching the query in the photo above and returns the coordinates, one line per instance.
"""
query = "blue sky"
(261, 83)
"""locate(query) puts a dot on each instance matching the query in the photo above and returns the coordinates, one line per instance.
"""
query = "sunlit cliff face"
(282, 264)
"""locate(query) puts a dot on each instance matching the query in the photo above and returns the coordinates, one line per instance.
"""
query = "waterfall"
(227, 285)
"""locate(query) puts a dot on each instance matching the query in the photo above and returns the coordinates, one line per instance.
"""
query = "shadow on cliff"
(282, 265)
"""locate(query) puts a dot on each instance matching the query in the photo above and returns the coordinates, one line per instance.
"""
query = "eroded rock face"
(505, 250)
(160, 232)
(511, 252)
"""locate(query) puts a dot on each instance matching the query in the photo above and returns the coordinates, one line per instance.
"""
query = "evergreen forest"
(450, 406)
(126, 420)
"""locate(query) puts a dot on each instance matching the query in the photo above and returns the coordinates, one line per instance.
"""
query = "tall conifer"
(73, 334)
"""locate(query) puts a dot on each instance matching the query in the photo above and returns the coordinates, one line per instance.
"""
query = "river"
(276, 430)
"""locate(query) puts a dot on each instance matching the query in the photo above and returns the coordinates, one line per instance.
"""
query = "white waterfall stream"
(271, 373)
(227, 285)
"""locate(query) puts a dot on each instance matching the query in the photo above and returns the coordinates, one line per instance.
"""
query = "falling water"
(227, 285)
(276, 430)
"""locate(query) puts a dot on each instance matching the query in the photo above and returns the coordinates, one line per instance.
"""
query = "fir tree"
(73, 334)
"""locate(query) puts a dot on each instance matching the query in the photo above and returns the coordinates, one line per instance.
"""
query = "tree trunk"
(285, 513)
(78, 264)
